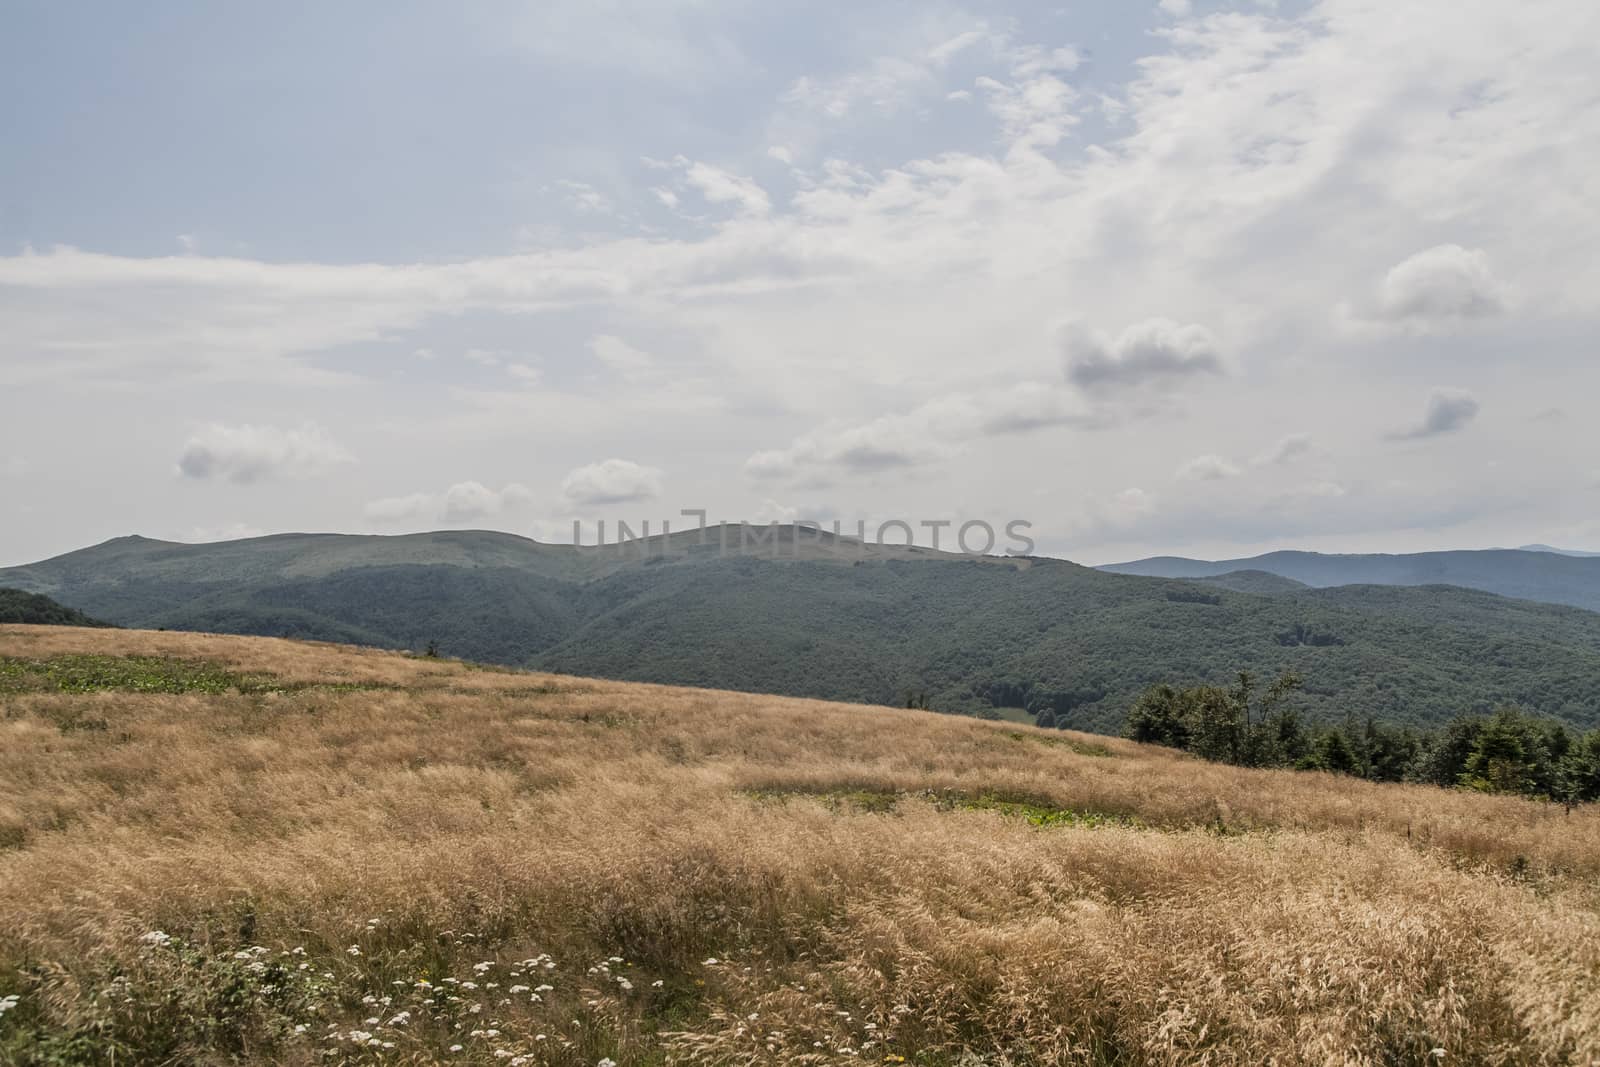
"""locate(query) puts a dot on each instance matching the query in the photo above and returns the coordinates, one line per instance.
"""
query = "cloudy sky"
(1196, 277)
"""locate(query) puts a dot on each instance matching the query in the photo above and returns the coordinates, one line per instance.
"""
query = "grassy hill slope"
(222, 849)
(968, 635)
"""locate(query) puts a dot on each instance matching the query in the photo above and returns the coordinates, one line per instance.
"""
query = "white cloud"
(1255, 171)
(1035, 111)
(1444, 283)
(461, 503)
(1448, 410)
(1175, 8)
(933, 431)
(245, 454)
(1208, 468)
(1286, 450)
(1131, 504)
(612, 481)
(890, 83)
(235, 531)
(1116, 514)
(884, 87)
(620, 357)
(883, 444)
(403, 508)
(719, 186)
(1156, 352)
(1322, 489)
(585, 198)
(772, 511)
(466, 501)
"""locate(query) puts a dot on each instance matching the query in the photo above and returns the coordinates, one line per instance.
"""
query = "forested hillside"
(18, 606)
(1073, 645)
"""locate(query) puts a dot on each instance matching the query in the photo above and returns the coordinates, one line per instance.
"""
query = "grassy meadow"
(246, 850)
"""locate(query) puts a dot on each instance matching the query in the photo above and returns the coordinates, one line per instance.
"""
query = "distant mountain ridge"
(1543, 575)
(824, 617)
(1559, 551)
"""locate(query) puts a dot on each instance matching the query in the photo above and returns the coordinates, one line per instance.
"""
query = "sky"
(1189, 277)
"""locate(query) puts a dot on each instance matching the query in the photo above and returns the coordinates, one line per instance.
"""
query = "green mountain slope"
(968, 635)
(1547, 576)
(19, 606)
(1263, 583)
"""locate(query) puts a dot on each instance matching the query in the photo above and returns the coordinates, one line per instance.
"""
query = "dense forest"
(1249, 725)
(18, 606)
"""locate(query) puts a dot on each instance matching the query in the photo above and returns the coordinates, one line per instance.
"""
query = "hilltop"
(827, 619)
(243, 849)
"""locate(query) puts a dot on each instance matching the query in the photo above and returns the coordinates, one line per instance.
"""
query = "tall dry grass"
(723, 878)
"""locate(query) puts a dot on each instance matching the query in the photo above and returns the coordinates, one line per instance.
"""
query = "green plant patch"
(870, 801)
(882, 801)
(144, 674)
(1037, 813)
(1082, 748)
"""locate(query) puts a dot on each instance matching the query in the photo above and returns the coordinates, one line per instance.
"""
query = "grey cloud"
(1448, 411)
(1156, 352)
(929, 432)
(1286, 450)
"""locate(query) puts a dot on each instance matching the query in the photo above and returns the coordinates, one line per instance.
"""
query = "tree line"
(1254, 725)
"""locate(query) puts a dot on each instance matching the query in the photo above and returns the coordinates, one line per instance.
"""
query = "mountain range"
(1533, 573)
(831, 618)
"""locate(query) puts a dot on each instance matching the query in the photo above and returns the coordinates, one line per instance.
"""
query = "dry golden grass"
(843, 866)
